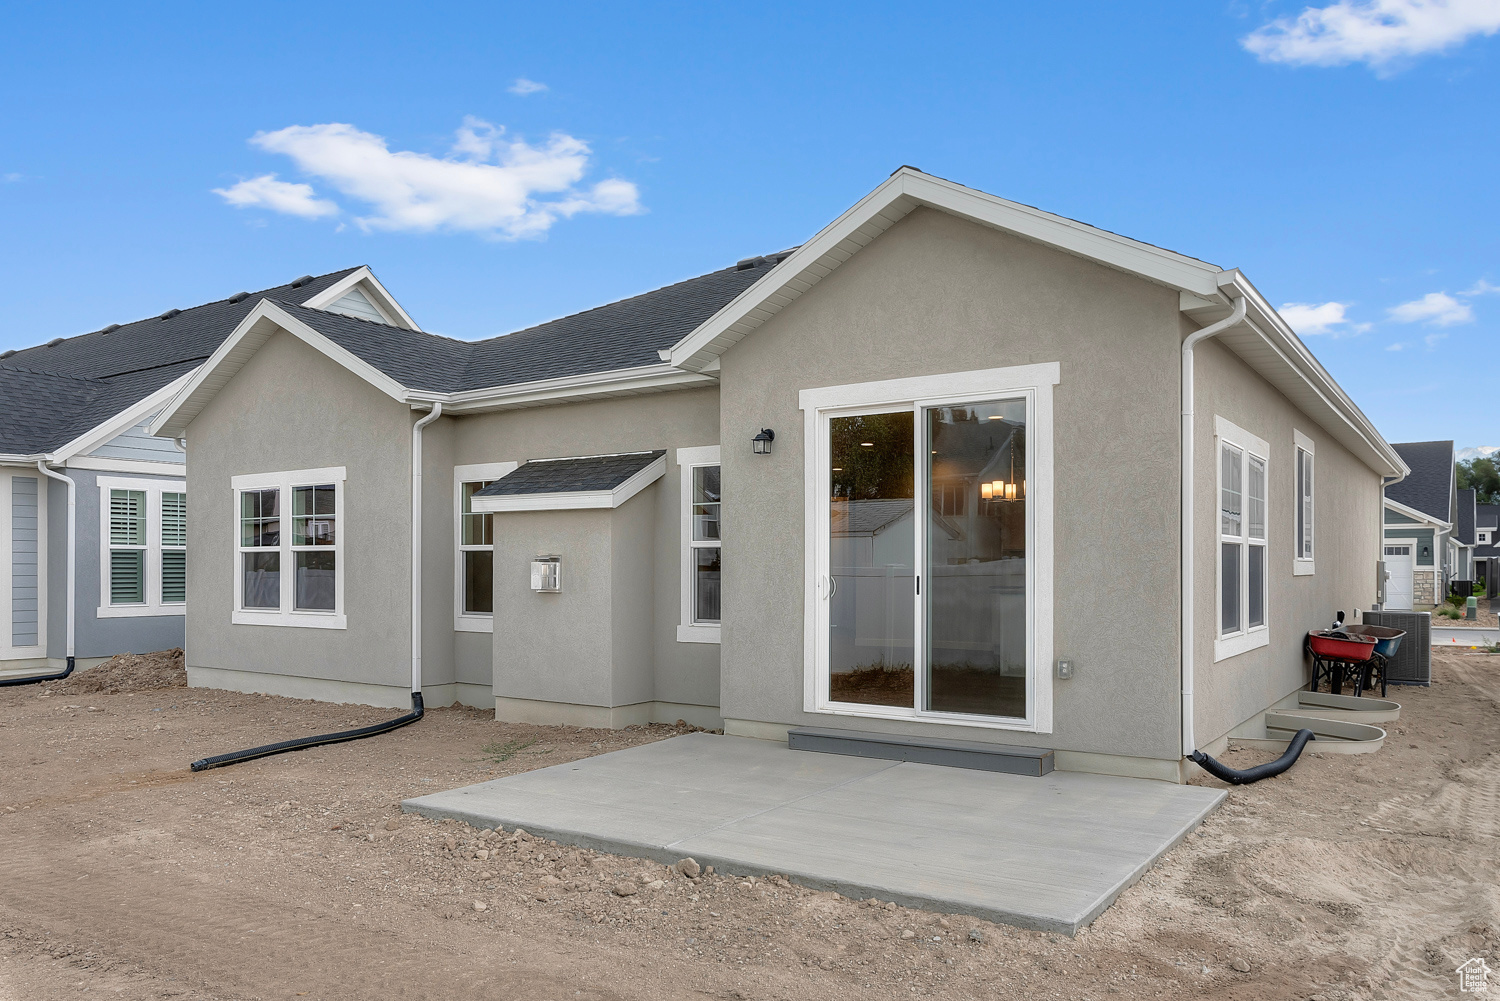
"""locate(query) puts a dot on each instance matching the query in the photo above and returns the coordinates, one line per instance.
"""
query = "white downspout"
(41, 465)
(1186, 543)
(416, 546)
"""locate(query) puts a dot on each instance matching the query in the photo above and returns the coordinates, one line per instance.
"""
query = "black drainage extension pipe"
(37, 679)
(1235, 776)
(301, 743)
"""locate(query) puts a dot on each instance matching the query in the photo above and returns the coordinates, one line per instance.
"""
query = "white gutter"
(1193, 340)
(416, 545)
(72, 549)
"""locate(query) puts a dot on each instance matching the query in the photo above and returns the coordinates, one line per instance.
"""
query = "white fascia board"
(903, 191)
(576, 501)
(122, 421)
(1293, 356)
(11, 459)
(384, 301)
(110, 465)
(646, 378)
(1415, 515)
(254, 330)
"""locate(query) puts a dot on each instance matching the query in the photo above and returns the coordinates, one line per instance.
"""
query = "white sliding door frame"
(1031, 383)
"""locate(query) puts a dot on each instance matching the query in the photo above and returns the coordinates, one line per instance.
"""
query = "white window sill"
(916, 716)
(290, 620)
(1232, 646)
(468, 623)
(137, 611)
(698, 634)
(1302, 568)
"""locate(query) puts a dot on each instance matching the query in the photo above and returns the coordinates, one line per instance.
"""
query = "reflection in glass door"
(927, 608)
(975, 609)
(872, 560)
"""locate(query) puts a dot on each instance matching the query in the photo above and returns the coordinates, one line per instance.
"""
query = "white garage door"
(1398, 589)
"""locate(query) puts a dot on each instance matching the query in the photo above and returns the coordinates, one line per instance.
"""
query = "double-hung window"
(1302, 542)
(474, 585)
(289, 535)
(702, 549)
(143, 547)
(1243, 468)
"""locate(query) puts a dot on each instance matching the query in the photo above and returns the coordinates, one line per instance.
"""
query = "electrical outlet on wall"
(1064, 670)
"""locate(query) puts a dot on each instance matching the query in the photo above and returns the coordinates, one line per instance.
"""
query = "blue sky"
(1342, 154)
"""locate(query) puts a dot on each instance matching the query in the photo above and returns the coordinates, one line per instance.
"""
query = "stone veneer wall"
(1421, 585)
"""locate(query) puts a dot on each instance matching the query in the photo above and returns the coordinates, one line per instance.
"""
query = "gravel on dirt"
(1348, 877)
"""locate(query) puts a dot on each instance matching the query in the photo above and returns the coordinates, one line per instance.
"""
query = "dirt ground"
(124, 875)
(1485, 617)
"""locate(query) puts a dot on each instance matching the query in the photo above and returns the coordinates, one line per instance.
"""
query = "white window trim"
(689, 459)
(1304, 566)
(470, 622)
(287, 615)
(1034, 383)
(153, 605)
(1247, 638)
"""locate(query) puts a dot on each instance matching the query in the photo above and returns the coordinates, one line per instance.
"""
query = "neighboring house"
(78, 406)
(1487, 547)
(855, 485)
(1420, 552)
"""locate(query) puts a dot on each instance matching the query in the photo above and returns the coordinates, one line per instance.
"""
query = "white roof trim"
(1264, 341)
(575, 501)
(903, 191)
(254, 330)
(616, 382)
(370, 285)
(1416, 515)
(122, 421)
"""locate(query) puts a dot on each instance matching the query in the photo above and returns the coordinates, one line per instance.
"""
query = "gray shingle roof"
(1429, 487)
(53, 394)
(571, 475)
(619, 335)
(1487, 515)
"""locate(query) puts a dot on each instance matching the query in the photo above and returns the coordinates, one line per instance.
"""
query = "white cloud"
(1481, 287)
(1436, 309)
(1380, 33)
(486, 184)
(1308, 318)
(523, 86)
(1431, 340)
(279, 196)
(1395, 347)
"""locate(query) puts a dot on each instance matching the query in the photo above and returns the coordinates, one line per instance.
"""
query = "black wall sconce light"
(761, 443)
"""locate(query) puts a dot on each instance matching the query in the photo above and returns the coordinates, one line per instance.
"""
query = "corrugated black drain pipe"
(302, 743)
(1239, 777)
(37, 679)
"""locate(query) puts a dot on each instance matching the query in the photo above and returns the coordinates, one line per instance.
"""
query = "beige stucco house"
(919, 476)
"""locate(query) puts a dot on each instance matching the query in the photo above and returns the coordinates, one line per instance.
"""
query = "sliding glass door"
(924, 606)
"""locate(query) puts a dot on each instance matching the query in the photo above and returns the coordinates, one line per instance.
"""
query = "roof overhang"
(576, 500)
(122, 421)
(262, 322)
(1263, 340)
(364, 279)
(901, 193)
(194, 391)
(1419, 516)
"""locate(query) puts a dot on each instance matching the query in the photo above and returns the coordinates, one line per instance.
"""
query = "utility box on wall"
(546, 574)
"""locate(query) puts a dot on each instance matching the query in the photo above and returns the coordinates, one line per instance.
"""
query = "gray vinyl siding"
(135, 443)
(23, 561)
(1423, 537)
(354, 303)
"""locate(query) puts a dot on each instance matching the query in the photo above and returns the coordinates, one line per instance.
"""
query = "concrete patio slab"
(1049, 853)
